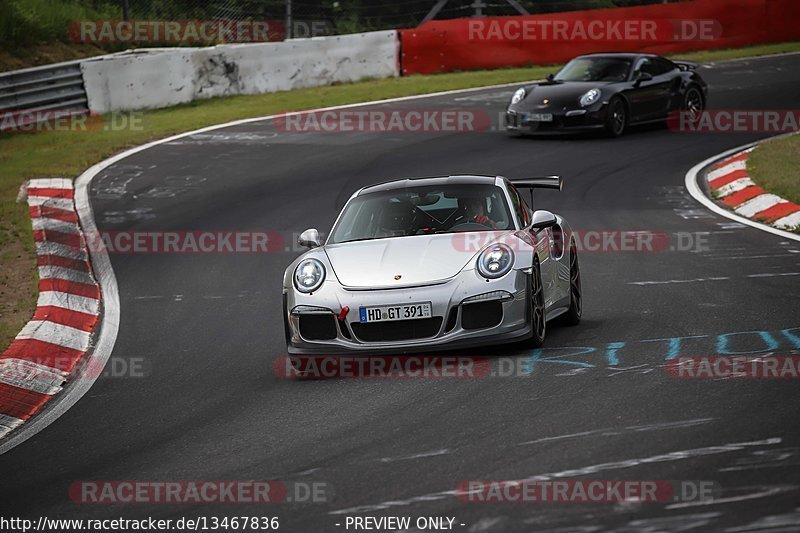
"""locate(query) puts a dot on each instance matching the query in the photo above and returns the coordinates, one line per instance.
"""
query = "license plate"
(538, 117)
(388, 313)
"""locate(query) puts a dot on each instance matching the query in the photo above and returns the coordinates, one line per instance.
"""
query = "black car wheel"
(537, 311)
(617, 117)
(573, 315)
(694, 103)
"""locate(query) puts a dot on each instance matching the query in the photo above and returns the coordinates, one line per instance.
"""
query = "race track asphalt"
(207, 327)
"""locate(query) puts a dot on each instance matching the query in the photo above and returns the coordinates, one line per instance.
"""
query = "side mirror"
(309, 239)
(543, 219)
(643, 76)
(551, 77)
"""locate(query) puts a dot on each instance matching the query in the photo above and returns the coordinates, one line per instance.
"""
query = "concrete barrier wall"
(164, 77)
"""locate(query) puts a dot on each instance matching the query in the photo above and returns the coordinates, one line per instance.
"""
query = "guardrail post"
(289, 21)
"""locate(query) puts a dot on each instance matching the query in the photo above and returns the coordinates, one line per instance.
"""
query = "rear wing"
(544, 182)
(687, 65)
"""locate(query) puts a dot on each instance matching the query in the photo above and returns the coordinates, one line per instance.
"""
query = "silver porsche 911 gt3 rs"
(433, 263)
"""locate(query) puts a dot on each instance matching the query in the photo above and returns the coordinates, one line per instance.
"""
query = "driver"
(475, 211)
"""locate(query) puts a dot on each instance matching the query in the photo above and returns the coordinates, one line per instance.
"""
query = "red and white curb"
(49, 349)
(730, 183)
(740, 199)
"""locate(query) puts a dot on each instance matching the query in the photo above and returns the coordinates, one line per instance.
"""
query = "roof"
(620, 55)
(460, 179)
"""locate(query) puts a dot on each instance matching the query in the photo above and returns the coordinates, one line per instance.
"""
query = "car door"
(651, 92)
(542, 242)
(667, 74)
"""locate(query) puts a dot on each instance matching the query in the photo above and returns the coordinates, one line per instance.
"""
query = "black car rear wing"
(687, 65)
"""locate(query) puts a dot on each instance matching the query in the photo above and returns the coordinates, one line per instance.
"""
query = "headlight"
(518, 96)
(309, 275)
(590, 97)
(495, 261)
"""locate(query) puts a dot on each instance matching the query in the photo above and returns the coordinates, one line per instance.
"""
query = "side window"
(518, 205)
(655, 66)
(650, 67)
(664, 66)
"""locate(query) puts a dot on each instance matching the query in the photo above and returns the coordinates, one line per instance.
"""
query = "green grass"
(67, 154)
(708, 56)
(25, 22)
(775, 166)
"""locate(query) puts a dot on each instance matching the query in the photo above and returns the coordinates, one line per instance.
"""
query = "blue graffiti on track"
(734, 343)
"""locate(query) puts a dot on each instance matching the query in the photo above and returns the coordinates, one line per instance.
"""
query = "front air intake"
(400, 330)
(481, 315)
(318, 327)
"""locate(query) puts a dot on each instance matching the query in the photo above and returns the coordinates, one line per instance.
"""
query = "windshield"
(423, 211)
(595, 69)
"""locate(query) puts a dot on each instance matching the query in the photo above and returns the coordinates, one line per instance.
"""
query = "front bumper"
(564, 121)
(454, 322)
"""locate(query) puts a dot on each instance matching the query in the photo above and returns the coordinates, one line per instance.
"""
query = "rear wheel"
(573, 315)
(617, 117)
(537, 312)
(694, 103)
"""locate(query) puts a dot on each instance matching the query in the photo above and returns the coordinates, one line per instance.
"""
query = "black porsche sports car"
(607, 91)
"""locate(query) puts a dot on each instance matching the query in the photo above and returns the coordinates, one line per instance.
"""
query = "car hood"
(560, 95)
(418, 260)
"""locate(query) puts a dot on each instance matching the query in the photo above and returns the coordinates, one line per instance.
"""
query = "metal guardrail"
(37, 94)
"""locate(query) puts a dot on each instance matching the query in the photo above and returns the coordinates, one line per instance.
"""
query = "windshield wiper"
(357, 240)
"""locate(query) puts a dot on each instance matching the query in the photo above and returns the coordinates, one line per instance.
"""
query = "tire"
(616, 117)
(694, 102)
(573, 315)
(537, 310)
(286, 332)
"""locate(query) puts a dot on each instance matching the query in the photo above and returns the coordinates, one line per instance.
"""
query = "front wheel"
(537, 311)
(616, 118)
